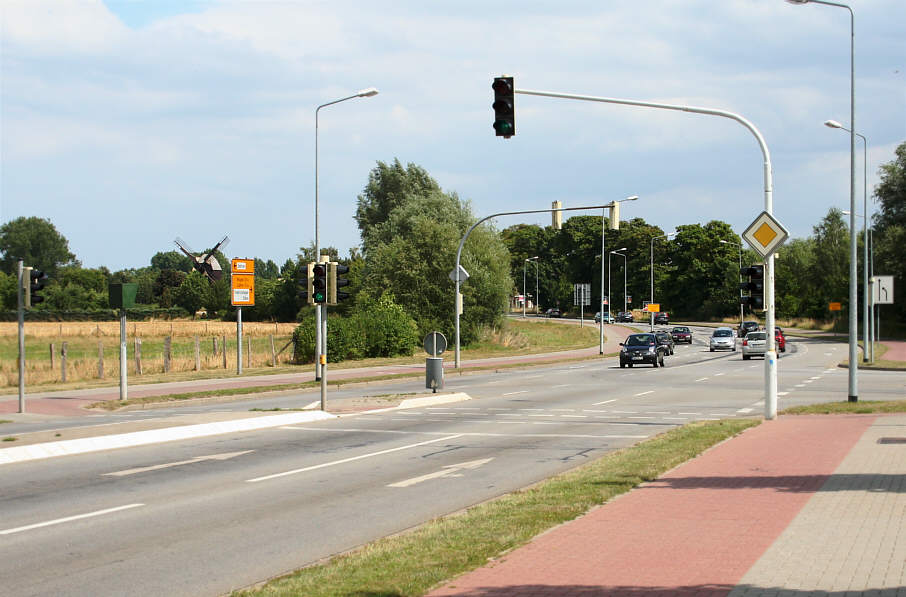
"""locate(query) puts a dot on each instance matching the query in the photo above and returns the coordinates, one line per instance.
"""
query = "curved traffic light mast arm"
(770, 361)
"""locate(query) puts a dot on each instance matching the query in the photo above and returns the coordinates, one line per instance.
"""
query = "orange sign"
(242, 290)
(654, 307)
(836, 307)
(242, 266)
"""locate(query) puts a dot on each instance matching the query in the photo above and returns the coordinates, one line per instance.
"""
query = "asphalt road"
(204, 516)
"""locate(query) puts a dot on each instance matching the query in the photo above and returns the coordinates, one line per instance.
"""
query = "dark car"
(661, 318)
(625, 316)
(553, 312)
(642, 348)
(681, 334)
(665, 339)
(745, 327)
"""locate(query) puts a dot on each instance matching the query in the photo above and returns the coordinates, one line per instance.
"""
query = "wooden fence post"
(63, 352)
(249, 351)
(53, 356)
(273, 352)
(223, 352)
(167, 341)
(138, 356)
(100, 360)
(214, 346)
(197, 355)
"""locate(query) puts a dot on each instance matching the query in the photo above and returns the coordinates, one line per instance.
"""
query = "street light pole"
(868, 339)
(651, 315)
(609, 293)
(853, 245)
(524, 295)
(726, 242)
(321, 343)
(612, 206)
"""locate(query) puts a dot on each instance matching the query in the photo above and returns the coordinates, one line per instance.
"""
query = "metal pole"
(523, 289)
(317, 258)
(238, 340)
(537, 294)
(601, 321)
(651, 298)
(21, 318)
(867, 341)
(871, 293)
(124, 385)
(323, 358)
(739, 277)
(853, 244)
(625, 267)
(462, 243)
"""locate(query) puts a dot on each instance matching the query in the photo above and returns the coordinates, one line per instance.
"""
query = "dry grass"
(142, 329)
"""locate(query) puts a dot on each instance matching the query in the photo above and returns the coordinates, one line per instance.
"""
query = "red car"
(779, 339)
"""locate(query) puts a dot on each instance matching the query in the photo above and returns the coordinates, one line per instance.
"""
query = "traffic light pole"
(21, 314)
(770, 360)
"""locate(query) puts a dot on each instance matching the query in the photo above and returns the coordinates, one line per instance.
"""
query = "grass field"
(514, 337)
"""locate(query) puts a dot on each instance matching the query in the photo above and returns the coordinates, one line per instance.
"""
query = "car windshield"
(755, 336)
(722, 333)
(680, 329)
(640, 340)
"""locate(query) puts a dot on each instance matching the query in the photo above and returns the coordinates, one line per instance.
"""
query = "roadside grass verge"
(413, 562)
(862, 408)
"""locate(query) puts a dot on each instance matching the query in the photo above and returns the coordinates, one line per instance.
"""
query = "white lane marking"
(701, 379)
(578, 367)
(808, 381)
(800, 385)
(352, 459)
(508, 414)
(500, 409)
(591, 410)
(645, 393)
(815, 377)
(676, 418)
(512, 393)
(626, 412)
(782, 393)
(642, 417)
(563, 410)
(532, 409)
(450, 470)
(576, 416)
(542, 415)
(533, 376)
(144, 469)
(658, 412)
(48, 523)
(562, 385)
(605, 402)
(745, 410)
(718, 374)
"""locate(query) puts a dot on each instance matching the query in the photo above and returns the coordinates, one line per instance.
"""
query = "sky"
(128, 123)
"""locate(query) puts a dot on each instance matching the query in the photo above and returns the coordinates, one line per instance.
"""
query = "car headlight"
(651, 349)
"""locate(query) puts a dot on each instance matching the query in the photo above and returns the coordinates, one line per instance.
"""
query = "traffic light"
(504, 107)
(319, 283)
(754, 285)
(334, 282)
(31, 284)
(305, 282)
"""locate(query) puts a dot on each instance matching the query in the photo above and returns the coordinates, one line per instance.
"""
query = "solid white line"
(145, 469)
(718, 374)
(354, 458)
(744, 410)
(68, 519)
(782, 393)
(565, 410)
(605, 402)
(511, 393)
(562, 385)
(645, 393)
(701, 379)
(688, 413)
(816, 377)
(576, 416)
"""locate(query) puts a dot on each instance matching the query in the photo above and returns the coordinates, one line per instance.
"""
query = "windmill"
(207, 263)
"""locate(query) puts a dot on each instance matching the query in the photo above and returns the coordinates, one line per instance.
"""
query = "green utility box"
(122, 295)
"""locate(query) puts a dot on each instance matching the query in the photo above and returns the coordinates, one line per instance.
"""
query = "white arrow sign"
(451, 470)
(145, 469)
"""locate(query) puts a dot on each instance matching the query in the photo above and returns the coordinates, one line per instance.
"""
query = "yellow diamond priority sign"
(765, 234)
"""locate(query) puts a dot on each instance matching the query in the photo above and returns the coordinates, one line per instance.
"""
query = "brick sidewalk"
(896, 350)
(702, 528)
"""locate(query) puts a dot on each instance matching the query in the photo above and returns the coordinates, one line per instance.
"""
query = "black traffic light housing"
(504, 107)
(754, 285)
(319, 283)
(334, 282)
(34, 281)
(306, 284)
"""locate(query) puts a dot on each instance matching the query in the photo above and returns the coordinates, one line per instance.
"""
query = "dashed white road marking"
(605, 402)
(816, 377)
(718, 374)
(645, 393)
(519, 392)
(701, 379)
(48, 523)
(782, 393)
(800, 385)
(562, 385)
(745, 410)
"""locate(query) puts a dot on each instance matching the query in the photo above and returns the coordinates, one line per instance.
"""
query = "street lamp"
(534, 259)
(609, 295)
(868, 332)
(726, 242)
(321, 318)
(601, 309)
(668, 235)
(853, 245)
(867, 349)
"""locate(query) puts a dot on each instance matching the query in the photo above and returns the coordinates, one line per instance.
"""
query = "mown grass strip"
(859, 408)
(412, 563)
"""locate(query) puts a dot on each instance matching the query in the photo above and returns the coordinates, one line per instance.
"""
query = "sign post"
(242, 293)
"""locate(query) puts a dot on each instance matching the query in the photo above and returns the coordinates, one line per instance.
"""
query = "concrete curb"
(154, 436)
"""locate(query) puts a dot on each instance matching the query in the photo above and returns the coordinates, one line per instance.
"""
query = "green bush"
(375, 328)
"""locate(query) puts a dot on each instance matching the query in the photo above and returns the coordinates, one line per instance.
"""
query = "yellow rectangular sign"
(654, 307)
(242, 290)
(836, 307)
(242, 266)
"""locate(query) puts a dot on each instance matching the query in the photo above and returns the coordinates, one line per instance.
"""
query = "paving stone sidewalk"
(802, 505)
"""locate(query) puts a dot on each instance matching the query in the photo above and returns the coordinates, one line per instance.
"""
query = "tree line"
(410, 230)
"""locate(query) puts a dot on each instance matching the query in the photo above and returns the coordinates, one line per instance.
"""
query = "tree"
(35, 241)
(890, 226)
(172, 260)
(192, 293)
(829, 273)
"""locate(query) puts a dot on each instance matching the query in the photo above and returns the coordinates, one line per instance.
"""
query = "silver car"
(755, 343)
(722, 339)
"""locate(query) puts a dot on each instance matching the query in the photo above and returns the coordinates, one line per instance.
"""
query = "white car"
(722, 339)
(755, 343)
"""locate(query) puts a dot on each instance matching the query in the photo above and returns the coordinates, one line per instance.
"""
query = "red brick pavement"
(896, 350)
(694, 531)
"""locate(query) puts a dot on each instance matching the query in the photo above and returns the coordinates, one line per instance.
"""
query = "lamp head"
(631, 198)
(618, 250)
(833, 124)
(369, 92)
(798, 1)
